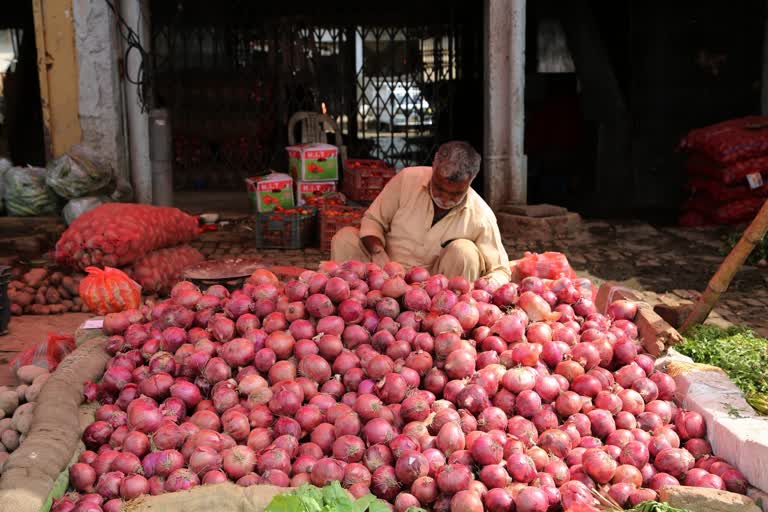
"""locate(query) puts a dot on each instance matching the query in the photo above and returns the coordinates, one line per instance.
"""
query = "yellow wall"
(57, 66)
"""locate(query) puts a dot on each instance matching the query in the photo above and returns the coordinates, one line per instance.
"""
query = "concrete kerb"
(736, 432)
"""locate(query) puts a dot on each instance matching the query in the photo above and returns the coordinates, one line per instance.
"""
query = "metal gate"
(233, 82)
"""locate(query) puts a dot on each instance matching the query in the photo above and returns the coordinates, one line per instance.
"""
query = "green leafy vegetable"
(331, 498)
(285, 503)
(655, 506)
(738, 351)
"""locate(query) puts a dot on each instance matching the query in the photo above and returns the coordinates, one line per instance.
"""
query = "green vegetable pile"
(741, 353)
(655, 506)
(331, 498)
(26, 193)
(760, 252)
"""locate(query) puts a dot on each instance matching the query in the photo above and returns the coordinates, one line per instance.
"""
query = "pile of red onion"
(424, 390)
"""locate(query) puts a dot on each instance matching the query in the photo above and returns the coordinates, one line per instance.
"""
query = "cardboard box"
(306, 189)
(270, 191)
(313, 162)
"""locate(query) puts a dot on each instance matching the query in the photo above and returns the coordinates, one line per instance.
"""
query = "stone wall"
(101, 108)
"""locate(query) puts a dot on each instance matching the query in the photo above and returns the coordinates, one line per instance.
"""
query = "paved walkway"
(661, 260)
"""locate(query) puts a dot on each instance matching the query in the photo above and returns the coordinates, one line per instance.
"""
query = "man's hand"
(376, 249)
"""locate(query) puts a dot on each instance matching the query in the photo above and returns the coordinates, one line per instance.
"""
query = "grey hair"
(457, 161)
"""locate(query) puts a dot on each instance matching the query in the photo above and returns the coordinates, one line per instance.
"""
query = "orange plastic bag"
(109, 291)
(47, 354)
(547, 265)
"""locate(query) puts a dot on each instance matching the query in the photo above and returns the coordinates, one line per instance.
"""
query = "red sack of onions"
(109, 290)
(159, 270)
(117, 234)
(729, 141)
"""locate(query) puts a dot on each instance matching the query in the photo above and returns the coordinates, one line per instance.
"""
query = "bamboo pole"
(728, 268)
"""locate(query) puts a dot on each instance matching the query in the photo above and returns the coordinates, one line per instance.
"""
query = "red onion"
(675, 461)
(521, 467)
(690, 424)
(109, 484)
(453, 478)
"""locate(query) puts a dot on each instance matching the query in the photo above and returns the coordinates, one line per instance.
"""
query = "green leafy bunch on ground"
(760, 252)
(331, 498)
(741, 353)
(654, 506)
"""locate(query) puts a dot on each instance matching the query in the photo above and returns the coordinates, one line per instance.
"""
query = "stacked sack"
(727, 169)
(147, 241)
(77, 177)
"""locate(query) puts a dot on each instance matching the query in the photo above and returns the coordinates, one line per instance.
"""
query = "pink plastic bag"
(547, 265)
(47, 354)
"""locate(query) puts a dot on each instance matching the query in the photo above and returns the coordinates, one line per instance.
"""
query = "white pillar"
(136, 16)
(504, 107)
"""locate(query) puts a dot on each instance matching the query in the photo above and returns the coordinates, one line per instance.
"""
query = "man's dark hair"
(457, 161)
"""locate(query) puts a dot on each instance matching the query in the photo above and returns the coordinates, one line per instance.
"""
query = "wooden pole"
(728, 268)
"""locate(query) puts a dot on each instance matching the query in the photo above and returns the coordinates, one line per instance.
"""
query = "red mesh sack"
(738, 211)
(47, 354)
(698, 165)
(742, 210)
(159, 270)
(730, 141)
(109, 290)
(718, 193)
(547, 265)
(118, 234)
(692, 219)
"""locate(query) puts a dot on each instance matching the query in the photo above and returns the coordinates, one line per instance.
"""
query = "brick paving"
(660, 260)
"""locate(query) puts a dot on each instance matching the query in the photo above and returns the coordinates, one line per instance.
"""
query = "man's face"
(447, 194)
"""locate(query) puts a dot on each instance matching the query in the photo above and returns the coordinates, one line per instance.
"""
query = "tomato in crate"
(333, 218)
(365, 178)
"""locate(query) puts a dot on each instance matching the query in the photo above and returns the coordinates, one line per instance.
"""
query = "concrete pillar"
(100, 96)
(504, 108)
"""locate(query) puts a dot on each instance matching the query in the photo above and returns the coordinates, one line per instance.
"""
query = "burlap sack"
(32, 471)
(226, 497)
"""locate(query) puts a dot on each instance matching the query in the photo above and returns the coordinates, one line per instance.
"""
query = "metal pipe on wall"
(517, 187)
(161, 155)
(137, 17)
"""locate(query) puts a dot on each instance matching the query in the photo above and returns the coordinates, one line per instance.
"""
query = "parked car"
(393, 105)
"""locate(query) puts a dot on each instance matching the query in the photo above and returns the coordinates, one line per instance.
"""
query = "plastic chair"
(313, 129)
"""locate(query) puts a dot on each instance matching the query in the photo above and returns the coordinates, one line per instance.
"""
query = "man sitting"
(430, 217)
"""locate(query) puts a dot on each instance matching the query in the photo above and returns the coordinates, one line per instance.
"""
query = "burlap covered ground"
(54, 438)
(226, 497)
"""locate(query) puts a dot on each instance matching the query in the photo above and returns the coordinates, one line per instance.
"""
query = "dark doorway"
(21, 130)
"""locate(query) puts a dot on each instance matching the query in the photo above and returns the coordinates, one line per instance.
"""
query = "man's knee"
(462, 248)
(461, 258)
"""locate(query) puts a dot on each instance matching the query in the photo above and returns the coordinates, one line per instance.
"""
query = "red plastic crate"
(333, 218)
(365, 178)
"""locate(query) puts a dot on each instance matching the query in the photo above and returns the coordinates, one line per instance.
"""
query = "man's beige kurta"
(401, 217)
